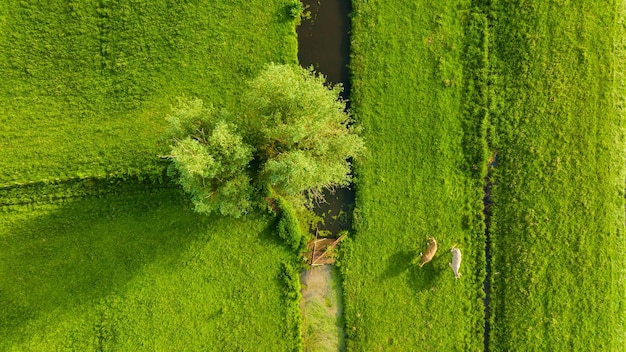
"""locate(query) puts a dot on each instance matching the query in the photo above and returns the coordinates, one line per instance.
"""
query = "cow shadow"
(429, 276)
(406, 262)
(399, 263)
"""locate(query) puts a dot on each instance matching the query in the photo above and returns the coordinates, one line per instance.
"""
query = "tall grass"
(558, 190)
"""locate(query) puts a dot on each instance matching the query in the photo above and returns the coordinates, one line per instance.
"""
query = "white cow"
(456, 261)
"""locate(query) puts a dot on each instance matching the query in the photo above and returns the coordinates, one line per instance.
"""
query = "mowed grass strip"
(85, 84)
(140, 271)
(421, 178)
(558, 232)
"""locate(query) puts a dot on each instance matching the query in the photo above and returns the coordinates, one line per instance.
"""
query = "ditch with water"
(487, 202)
(324, 44)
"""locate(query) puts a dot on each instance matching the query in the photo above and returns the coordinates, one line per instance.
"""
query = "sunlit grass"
(85, 84)
(93, 264)
(410, 93)
(558, 189)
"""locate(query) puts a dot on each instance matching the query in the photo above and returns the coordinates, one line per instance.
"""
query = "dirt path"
(322, 310)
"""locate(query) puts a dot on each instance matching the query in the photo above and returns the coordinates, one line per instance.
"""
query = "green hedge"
(290, 277)
(289, 228)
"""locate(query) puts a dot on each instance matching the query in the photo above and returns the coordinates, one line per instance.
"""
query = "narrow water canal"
(324, 44)
(324, 40)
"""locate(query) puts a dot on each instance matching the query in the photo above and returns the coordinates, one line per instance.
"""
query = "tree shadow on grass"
(270, 231)
(57, 258)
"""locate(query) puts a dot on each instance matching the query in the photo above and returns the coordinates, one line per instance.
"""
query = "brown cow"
(430, 252)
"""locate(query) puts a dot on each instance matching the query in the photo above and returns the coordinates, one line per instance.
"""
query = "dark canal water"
(324, 43)
(324, 40)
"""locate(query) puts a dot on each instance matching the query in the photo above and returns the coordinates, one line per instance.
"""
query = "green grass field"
(559, 239)
(440, 87)
(410, 85)
(93, 260)
(140, 271)
(96, 254)
(85, 84)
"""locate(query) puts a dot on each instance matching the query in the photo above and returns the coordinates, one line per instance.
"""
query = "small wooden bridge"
(320, 251)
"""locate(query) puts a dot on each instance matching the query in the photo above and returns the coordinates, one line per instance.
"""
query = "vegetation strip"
(49, 192)
(558, 214)
(415, 92)
(487, 201)
(323, 326)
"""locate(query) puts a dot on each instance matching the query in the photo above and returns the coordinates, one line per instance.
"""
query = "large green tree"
(291, 133)
(209, 159)
(301, 129)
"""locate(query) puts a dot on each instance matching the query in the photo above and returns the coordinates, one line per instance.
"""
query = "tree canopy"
(209, 159)
(290, 134)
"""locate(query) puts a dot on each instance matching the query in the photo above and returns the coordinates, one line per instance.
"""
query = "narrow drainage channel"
(324, 40)
(487, 202)
(324, 44)
(322, 310)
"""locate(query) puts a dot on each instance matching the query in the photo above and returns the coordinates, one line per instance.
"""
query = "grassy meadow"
(94, 257)
(85, 84)
(414, 90)
(99, 252)
(438, 89)
(558, 232)
(140, 271)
